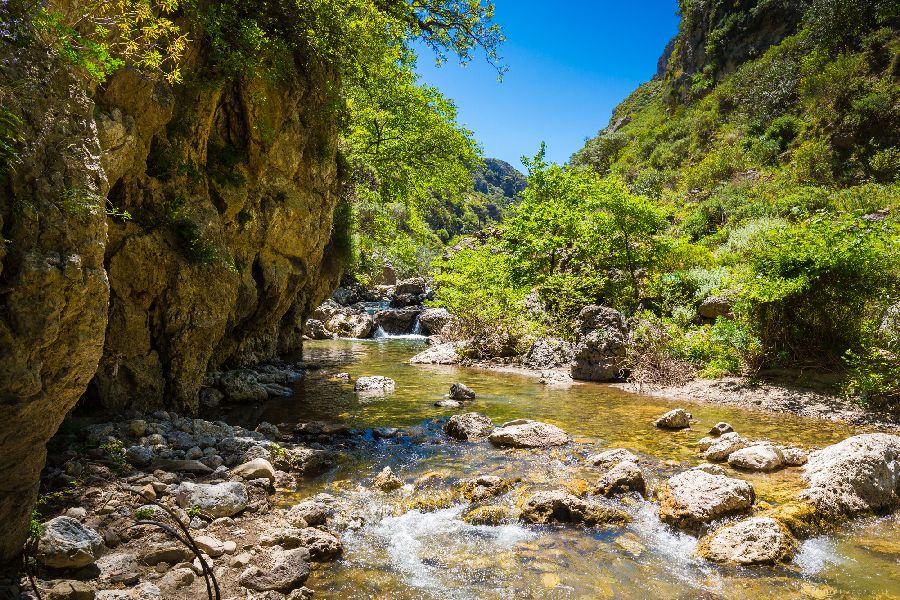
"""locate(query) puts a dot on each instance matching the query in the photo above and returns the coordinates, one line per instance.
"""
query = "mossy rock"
(489, 515)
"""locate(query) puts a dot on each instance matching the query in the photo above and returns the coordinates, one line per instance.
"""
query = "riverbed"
(399, 553)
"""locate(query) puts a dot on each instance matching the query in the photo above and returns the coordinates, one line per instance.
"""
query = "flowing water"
(409, 554)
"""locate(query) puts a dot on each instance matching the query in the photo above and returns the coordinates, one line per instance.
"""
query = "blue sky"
(570, 64)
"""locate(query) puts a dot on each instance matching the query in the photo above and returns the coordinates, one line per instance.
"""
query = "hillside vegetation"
(742, 207)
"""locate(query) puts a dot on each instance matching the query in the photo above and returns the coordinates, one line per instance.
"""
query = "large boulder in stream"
(374, 385)
(601, 341)
(440, 354)
(525, 433)
(758, 457)
(858, 475)
(755, 541)
(397, 321)
(351, 325)
(469, 426)
(560, 507)
(695, 498)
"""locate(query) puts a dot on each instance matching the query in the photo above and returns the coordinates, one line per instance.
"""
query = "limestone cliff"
(230, 184)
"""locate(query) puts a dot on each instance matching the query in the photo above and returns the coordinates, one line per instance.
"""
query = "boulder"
(210, 545)
(242, 386)
(326, 310)
(315, 330)
(755, 541)
(611, 457)
(67, 544)
(440, 354)
(375, 384)
(139, 456)
(320, 544)
(313, 511)
(489, 514)
(258, 468)
(289, 571)
(720, 449)
(858, 475)
(215, 499)
(395, 321)
(560, 507)
(143, 591)
(525, 433)
(71, 589)
(625, 477)
(386, 481)
(548, 353)
(416, 286)
(469, 426)
(695, 498)
(714, 307)
(720, 428)
(601, 342)
(433, 320)
(460, 391)
(674, 419)
(758, 457)
(483, 487)
(172, 465)
(447, 403)
(346, 296)
(358, 325)
(793, 456)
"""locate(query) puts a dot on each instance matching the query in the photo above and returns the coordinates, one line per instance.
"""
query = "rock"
(439, 354)
(315, 330)
(139, 456)
(611, 457)
(67, 544)
(211, 397)
(601, 341)
(525, 433)
(71, 590)
(858, 475)
(758, 457)
(720, 428)
(386, 481)
(626, 476)
(289, 570)
(374, 385)
(255, 469)
(713, 307)
(218, 500)
(415, 286)
(555, 378)
(469, 426)
(710, 468)
(447, 403)
(180, 466)
(210, 545)
(704, 443)
(326, 310)
(303, 593)
(695, 498)
(793, 456)
(267, 429)
(351, 325)
(143, 591)
(320, 544)
(460, 391)
(312, 511)
(345, 296)
(433, 320)
(560, 507)
(674, 419)
(242, 386)
(484, 487)
(720, 449)
(177, 579)
(488, 515)
(548, 353)
(169, 553)
(756, 541)
(395, 321)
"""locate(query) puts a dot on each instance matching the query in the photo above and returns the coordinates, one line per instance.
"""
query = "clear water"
(403, 554)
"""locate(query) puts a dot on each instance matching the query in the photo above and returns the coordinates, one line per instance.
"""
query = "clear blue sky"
(570, 64)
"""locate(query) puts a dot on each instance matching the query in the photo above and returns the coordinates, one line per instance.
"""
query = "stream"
(408, 554)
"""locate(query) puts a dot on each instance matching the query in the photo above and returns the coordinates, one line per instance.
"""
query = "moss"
(802, 519)
(432, 500)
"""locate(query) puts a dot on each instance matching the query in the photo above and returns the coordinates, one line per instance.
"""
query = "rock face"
(601, 342)
(860, 474)
(525, 433)
(67, 544)
(695, 498)
(218, 500)
(674, 419)
(756, 541)
(560, 507)
(469, 426)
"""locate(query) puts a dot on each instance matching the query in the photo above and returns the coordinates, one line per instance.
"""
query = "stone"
(758, 457)
(351, 325)
(386, 481)
(315, 330)
(180, 466)
(397, 321)
(695, 498)
(229, 547)
(755, 541)
(560, 507)
(525, 433)
(312, 511)
(320, 544)
(720, 449)
(71, 590)
(242, 386)
(674, 419)
(460, 391)
(601, 341)
(375, 385)
(210, 545)
(469, 426)
(625, 477)
(177, 579)
(557, 378)
(211, 397)
(217, 500)
(714, 307)
(710, 468)
(492, 515)
(704, 443)
(139, 456)
(303, 593)
(858, 475)
(415, 286)
(289, 570)
(143, 591)
(169, 553)
(720, 428)
(483, 487)
(67, 544)
(433, 320)
(447, 403)
(440, 354)
(793, 456)
(548, 353)
(258, 468)
(611, 457)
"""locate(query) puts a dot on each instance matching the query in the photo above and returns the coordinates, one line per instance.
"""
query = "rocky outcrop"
(601, 343)
(859, 475)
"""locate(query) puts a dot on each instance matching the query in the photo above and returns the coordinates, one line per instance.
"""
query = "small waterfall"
(379, 332)
(417, 327)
